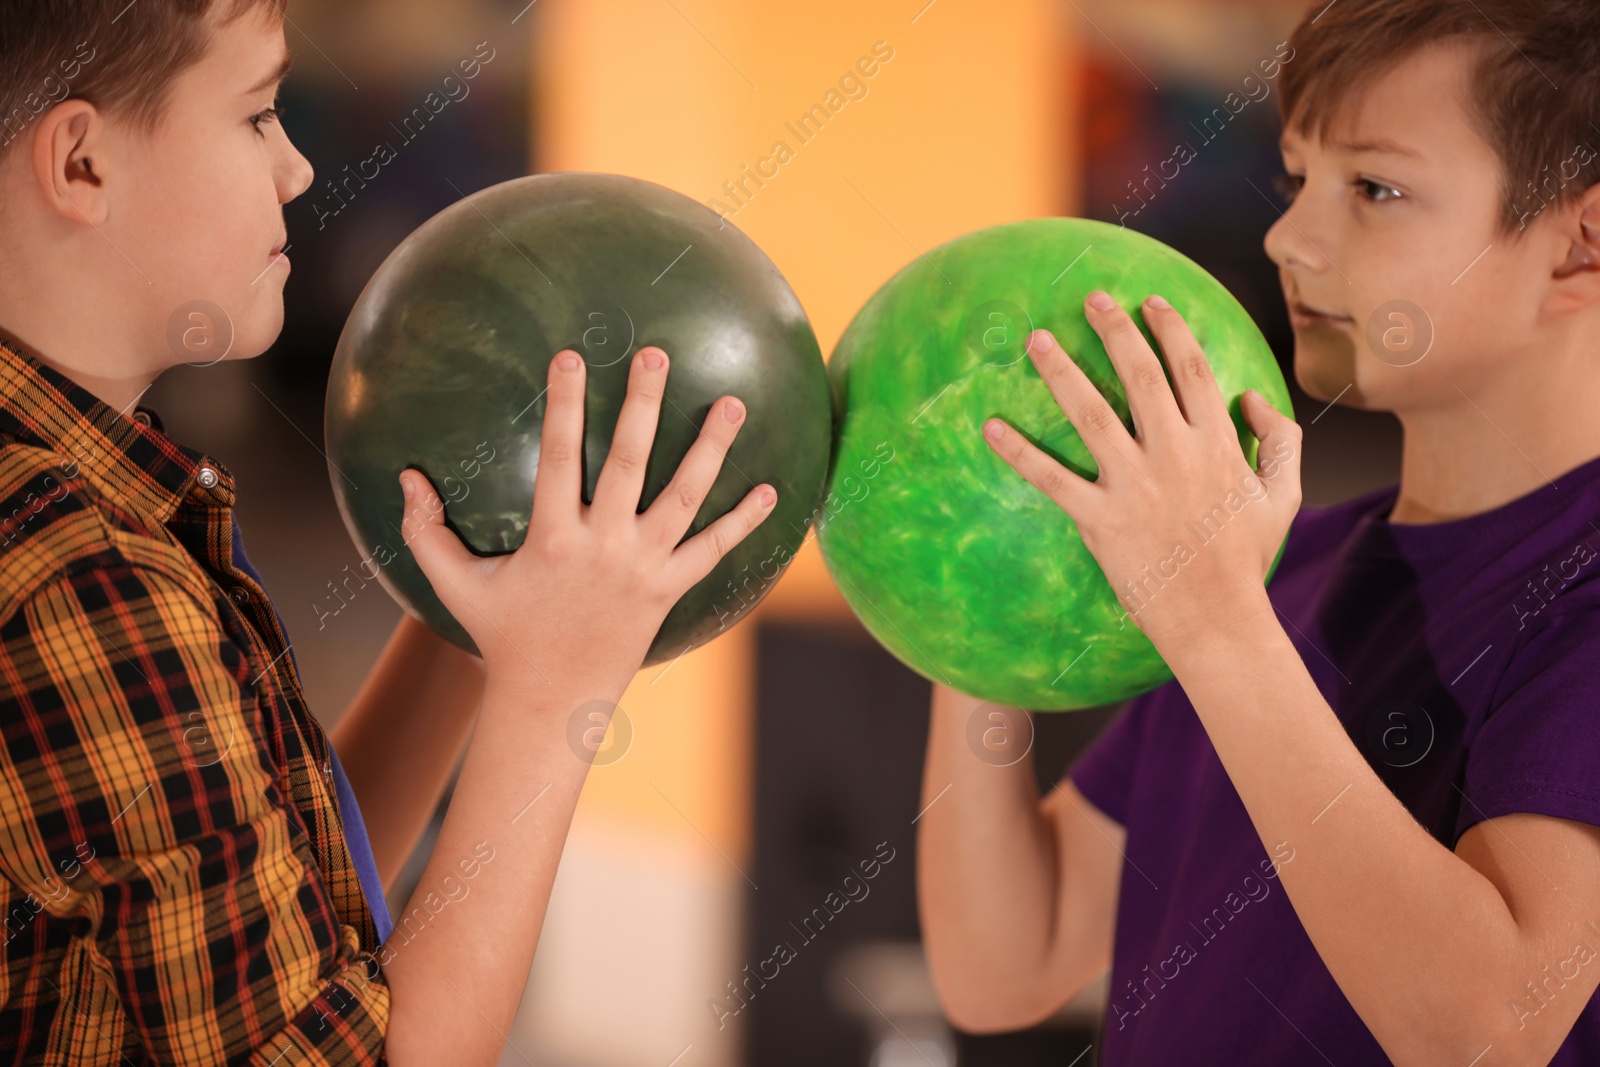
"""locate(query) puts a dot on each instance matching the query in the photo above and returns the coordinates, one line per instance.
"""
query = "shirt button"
(208, 477)
(239, 594)
(141, 418)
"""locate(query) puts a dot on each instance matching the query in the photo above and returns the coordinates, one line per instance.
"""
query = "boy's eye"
(271, 114)
(1376, 191)
(1288, 185)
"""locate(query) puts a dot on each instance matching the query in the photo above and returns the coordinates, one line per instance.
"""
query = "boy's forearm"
(460, 955)
(981, 839)
(401, 736)
(1419, 940)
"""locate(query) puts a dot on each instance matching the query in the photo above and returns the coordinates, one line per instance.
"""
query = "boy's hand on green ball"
(1181, 525)
(584, 594)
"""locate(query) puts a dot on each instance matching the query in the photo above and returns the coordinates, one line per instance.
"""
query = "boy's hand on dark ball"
(590, 584)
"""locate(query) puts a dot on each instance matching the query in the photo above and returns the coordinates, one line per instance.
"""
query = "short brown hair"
(1534, 86)
(119, 55)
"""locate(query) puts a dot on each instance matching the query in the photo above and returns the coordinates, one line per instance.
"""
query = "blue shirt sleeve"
(1539, 749)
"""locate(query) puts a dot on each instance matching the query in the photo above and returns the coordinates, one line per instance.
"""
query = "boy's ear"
(1582, 230)
(68, 161)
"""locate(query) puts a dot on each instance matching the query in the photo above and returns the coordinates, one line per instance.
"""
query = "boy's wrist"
(554, 694)
(1244, 620)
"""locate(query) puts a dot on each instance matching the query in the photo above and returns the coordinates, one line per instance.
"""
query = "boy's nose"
(296, 176)
(1287, 244)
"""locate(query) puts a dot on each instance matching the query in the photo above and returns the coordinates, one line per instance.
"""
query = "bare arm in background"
(402, 735)
(1018, 895)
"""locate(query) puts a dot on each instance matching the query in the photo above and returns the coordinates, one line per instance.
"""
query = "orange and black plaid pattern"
(176, 884)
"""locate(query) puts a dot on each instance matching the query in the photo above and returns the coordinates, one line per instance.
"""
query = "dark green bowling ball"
(962, 569)
(443, 362)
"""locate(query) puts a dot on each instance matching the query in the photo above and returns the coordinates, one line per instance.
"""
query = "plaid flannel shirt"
(175, 877)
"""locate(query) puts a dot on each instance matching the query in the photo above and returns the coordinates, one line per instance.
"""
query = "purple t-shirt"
(1460, 657)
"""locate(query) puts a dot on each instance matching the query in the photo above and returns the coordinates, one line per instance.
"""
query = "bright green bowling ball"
(963, 570)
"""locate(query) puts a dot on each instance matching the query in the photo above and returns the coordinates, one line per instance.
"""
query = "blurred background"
(754, 781)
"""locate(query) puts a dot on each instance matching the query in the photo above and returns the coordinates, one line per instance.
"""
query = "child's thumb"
(437, 549)
(1278, 452)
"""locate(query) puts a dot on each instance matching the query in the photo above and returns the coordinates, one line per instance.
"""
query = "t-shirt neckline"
(1375, 536)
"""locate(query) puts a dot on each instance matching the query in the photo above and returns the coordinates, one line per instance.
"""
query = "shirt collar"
(129, 458)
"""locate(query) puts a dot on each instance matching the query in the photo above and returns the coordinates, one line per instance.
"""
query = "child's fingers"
(695, 558)
(1096, 421)
(1199, 397)
(558, 482)
(674, 509)
(622, 478)
(1070, 492)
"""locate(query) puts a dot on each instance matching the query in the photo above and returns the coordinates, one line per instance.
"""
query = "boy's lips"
(1302, 314)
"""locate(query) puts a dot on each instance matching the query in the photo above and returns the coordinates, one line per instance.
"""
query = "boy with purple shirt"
(1363, 823)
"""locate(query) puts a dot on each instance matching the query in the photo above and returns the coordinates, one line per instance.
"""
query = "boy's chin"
(201, 333)
(261, 322)
(1325, 370)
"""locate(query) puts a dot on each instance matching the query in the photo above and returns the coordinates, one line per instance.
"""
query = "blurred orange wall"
(965, 121)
